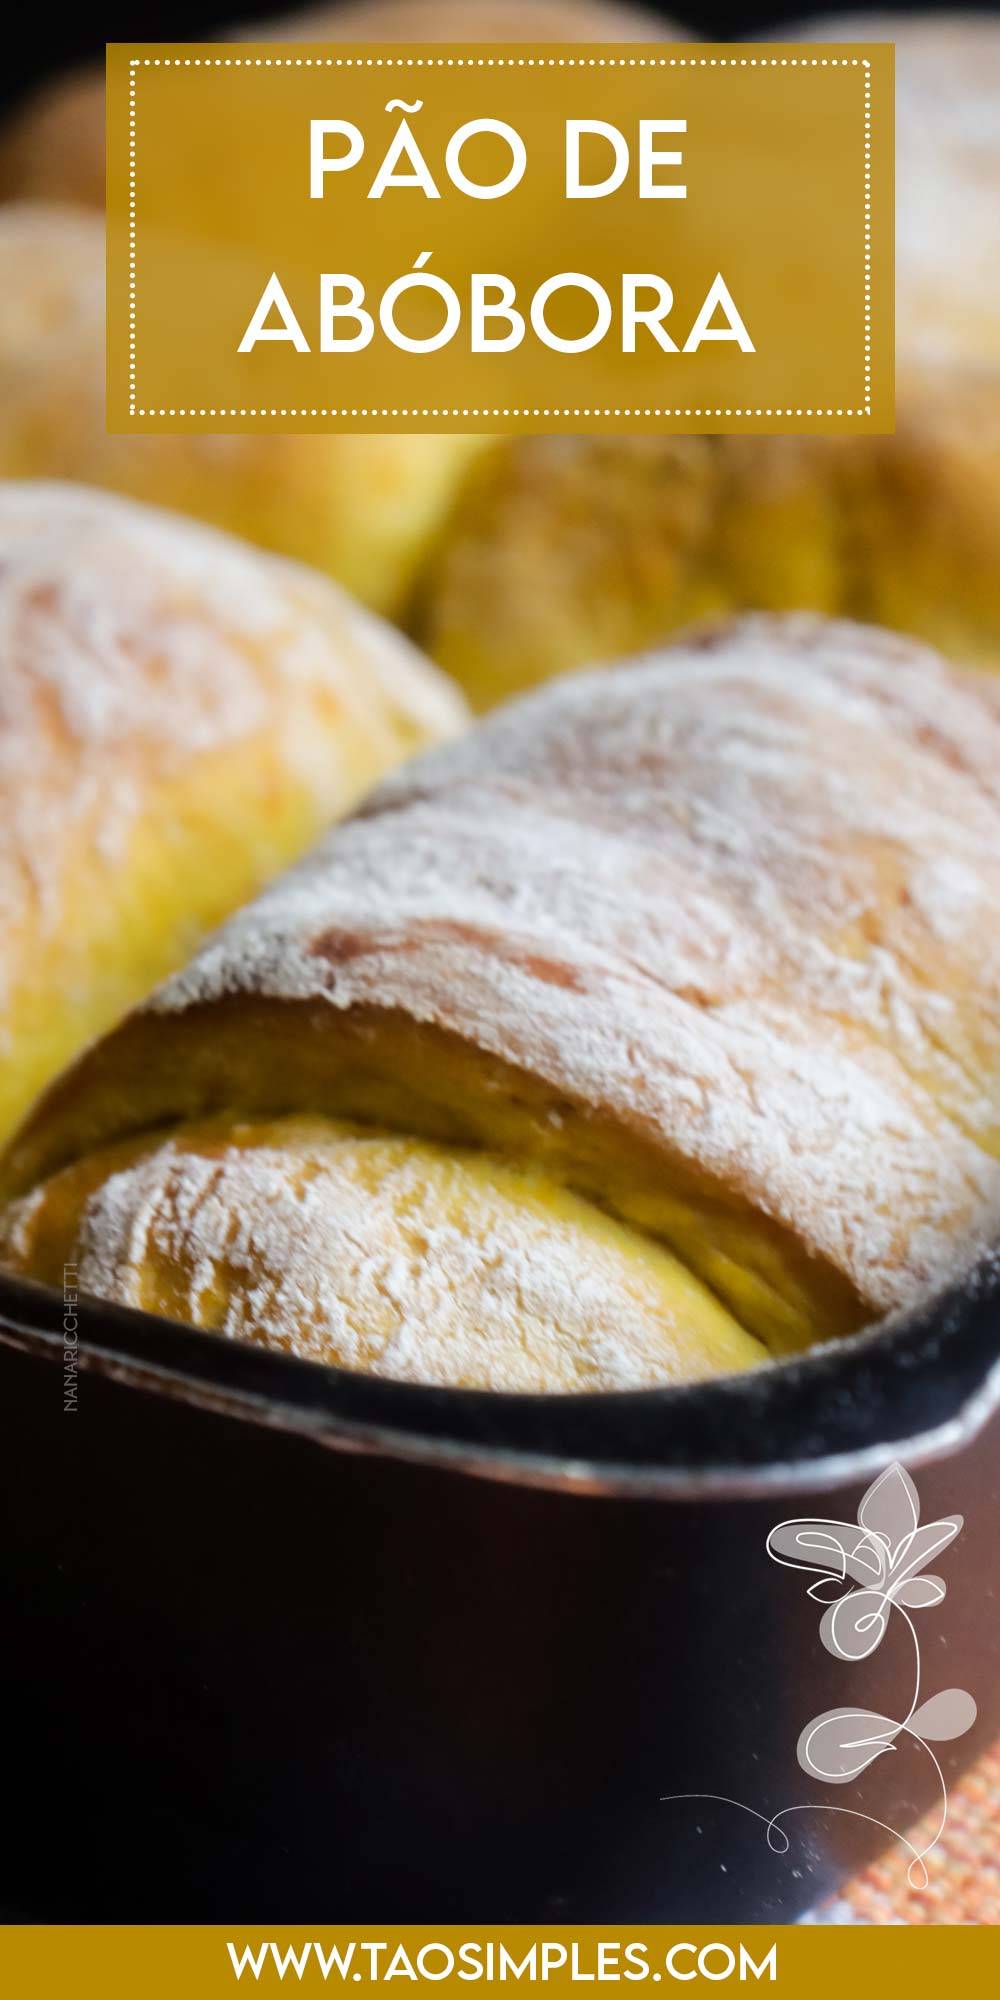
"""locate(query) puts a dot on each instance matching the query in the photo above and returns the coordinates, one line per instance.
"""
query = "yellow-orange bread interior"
(701, 948)
(180, 715)
(377, 1251)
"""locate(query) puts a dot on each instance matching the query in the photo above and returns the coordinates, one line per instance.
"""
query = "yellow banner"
(634, 238)
(179, 1962)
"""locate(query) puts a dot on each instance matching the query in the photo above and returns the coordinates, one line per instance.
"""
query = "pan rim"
(916, 1386)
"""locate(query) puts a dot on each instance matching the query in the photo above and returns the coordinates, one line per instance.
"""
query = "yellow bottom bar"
(160, 1962)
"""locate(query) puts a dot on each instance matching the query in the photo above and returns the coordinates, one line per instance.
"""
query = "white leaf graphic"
(919, 1593)
(852, 1628)
(826, 1590)
(944, 1716)
(830, 1548)
(917, 1549)
(840, 1744)
(891, 1507)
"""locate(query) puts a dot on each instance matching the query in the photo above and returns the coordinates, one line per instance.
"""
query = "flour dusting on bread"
(738, 894)
(133, 641)
(369, 1251)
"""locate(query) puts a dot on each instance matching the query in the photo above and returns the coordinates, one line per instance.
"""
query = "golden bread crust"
(179, 717)
(567, 552)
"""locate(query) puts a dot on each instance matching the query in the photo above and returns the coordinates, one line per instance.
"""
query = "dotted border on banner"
(497, 62)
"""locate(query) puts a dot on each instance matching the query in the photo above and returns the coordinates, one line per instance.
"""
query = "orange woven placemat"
(964, 1886)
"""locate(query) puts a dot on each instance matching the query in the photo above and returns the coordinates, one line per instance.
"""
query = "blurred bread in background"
(565, 552)
(513, 560)
(179, 717)
(363, 508)
(54, 146)
(366, 509)
(472, 21)
(947, 176)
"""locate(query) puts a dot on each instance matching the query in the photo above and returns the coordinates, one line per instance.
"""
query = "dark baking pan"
(282, 1642)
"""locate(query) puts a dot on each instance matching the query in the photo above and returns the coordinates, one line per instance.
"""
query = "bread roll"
(53, 148)
(947, 176)
(179, 717)
(470, 21)
(704, 945)
(567, 552)
(362, 508)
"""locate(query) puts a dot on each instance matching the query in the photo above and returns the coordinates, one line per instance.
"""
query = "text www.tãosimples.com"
(608, 1960)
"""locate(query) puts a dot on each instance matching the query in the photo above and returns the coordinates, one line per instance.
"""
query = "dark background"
(31, 52)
